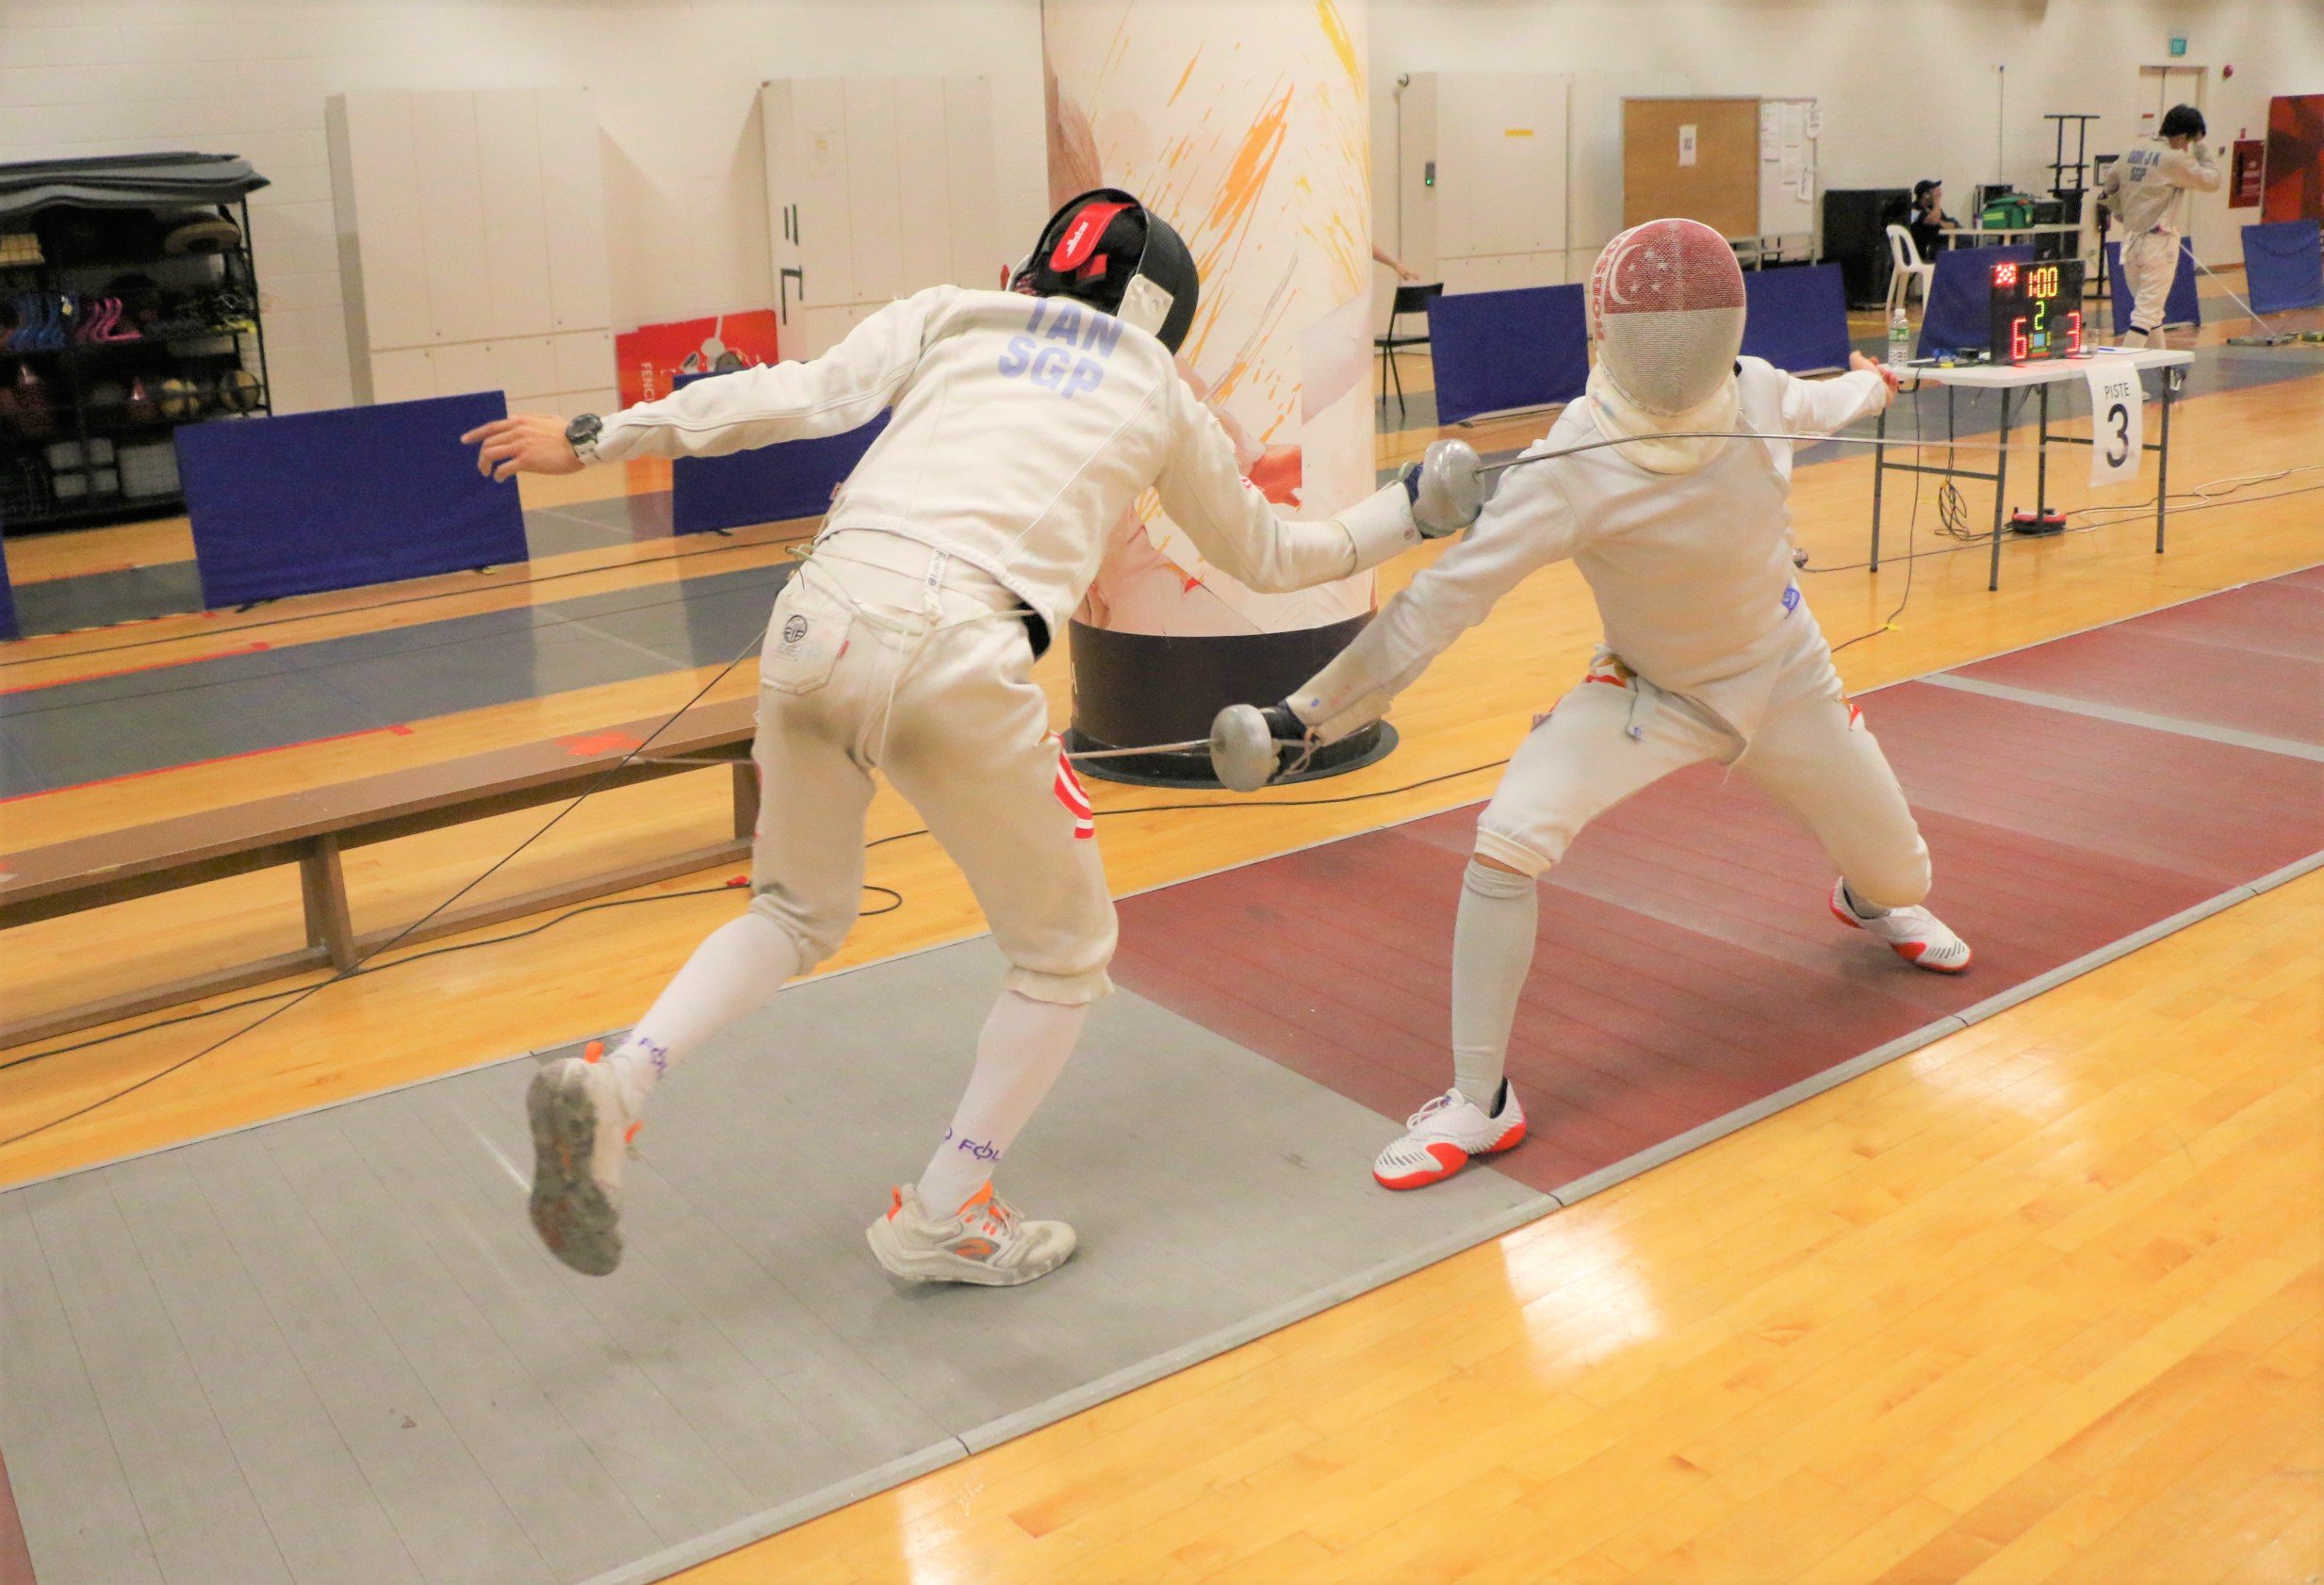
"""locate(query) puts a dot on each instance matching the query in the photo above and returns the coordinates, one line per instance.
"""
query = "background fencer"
(1025, 424)
(2148, 187)
(1710, 651)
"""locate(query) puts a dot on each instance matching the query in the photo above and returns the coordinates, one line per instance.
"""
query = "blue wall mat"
(792, 479)
(344, 497)
(1797, 318)
(2284, 264)
(2182, 308)
(1961, 298)
(1501, 349)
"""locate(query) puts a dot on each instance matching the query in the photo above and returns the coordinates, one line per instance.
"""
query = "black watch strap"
(582, 434)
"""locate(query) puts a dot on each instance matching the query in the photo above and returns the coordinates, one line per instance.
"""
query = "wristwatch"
(582, 434)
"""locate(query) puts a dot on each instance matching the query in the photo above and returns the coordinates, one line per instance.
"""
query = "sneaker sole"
(937, 1267)
(1842, 914)
(1423, 1179)
(569, 1211)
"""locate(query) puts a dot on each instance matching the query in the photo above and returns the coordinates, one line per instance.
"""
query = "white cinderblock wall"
(1907, 90)
(675, 83)
(1908, 87)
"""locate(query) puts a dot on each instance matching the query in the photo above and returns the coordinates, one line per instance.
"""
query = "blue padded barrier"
(2283, 266)
(2182, 308)
(1797, 318)
(1497, 351)
(347, 497)
(792, 479)
(1960, 300)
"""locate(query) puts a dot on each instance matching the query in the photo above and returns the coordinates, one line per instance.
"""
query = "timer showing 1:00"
(2036, 311)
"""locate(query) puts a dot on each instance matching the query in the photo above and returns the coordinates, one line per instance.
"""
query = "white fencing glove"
(1446, 488)
(1251, 747)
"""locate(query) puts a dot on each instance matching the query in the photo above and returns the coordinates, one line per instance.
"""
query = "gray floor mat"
(237, 704)
(329, 1349)
(96, 599)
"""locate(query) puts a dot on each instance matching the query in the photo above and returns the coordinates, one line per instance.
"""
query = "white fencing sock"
(1492, 953)
(733, 971)
(1018, 1055)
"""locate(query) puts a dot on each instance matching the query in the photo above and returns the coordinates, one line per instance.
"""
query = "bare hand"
(1411, 275)
(1887, 375)
(522, 443)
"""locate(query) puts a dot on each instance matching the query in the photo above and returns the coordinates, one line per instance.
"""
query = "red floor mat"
(2251, 658)
(1688, 965)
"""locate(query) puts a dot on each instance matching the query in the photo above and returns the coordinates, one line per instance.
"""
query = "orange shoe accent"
(976, 1249)
(1508, 1141)
(628, 1134)
(895, 1202)
(976, 1202)
(593, 1051)
(1911, 951)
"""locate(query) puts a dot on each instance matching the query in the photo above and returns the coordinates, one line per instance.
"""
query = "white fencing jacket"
(1692, 571)
(2148, 186)
(1024, 428)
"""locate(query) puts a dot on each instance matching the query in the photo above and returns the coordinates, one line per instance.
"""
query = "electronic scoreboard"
(2036, 311)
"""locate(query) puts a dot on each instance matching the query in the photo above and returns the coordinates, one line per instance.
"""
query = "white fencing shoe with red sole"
(1914, 934)
(1442, 1136)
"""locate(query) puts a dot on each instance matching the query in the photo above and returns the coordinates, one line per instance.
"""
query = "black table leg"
(2000, 489)
(2162, 466)
(1880, 467)
(2041, 458)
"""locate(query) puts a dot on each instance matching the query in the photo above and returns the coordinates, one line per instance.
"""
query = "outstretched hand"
(522, 443)
(1889, 376)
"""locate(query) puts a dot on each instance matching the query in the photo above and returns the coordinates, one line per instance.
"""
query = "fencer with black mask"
(1683, 533)
(1024, 424)
(2149, 186)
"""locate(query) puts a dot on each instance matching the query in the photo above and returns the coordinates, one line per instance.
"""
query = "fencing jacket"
(1024, 428)
(2149, 186)
(1692, 572)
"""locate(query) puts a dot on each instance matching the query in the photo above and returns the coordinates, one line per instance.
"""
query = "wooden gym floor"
(2044, 1300)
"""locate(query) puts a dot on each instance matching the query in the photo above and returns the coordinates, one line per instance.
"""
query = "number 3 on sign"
(2116, 433)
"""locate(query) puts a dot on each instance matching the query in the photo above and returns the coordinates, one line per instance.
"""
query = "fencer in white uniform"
(2148, 187)
(1709, 650)
(1023, 427)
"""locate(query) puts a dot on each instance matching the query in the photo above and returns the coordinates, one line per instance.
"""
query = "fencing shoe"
(580, 1132)
(1914, 934)
(987, 1243)
(1443, 1135)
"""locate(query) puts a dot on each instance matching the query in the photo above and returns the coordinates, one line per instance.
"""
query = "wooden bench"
(311, 829)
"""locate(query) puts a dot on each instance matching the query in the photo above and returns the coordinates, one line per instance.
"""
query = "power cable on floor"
(367, 966)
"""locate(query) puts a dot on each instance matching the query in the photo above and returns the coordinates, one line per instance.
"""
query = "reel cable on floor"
(366, 965)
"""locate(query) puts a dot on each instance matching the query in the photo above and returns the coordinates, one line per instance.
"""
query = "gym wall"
(1905, 91)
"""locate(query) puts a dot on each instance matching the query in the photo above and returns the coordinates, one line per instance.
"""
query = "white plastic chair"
(1904, 258)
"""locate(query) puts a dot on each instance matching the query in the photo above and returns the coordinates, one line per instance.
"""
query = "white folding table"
(2013, 381)
(1977, 236)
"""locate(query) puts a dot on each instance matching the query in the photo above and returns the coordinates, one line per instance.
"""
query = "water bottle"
(1899, 338)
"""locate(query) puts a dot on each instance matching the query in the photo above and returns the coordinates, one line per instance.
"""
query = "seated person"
(1929, 220)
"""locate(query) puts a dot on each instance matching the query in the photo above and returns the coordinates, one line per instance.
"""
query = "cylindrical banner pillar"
(1246, 127)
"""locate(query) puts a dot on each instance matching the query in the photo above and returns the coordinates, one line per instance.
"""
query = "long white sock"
(733, 971)
(1492, 953)
(1018, 1055)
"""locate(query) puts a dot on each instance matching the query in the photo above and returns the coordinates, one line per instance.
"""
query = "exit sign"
(2178, 44)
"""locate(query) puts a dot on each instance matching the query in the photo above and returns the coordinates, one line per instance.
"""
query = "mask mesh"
(1666, 311)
